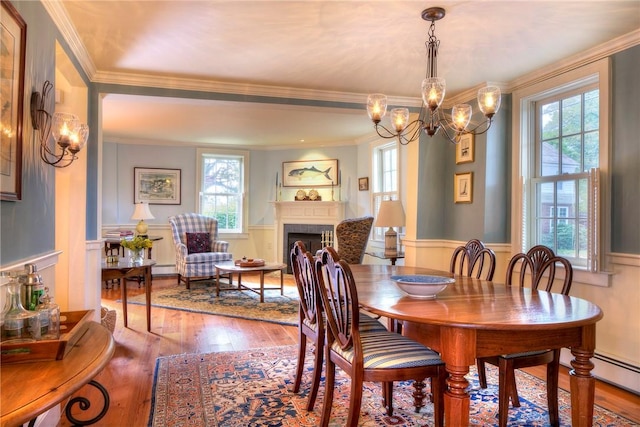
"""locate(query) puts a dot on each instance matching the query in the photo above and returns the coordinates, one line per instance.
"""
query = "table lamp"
(390, 214)
(142, 212)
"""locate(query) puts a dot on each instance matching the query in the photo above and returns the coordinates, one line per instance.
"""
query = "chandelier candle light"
(390, 214)
(142, 212)
(431, 119)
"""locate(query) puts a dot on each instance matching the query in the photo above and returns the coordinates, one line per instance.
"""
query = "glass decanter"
(49, 317)
(20, 325)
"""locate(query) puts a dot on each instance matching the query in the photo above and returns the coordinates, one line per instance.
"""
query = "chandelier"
(431, 118)
(69, 134)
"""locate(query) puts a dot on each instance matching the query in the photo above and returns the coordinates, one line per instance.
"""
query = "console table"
(31, 388)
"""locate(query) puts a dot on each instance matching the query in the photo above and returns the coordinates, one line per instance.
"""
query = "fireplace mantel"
(303, 212)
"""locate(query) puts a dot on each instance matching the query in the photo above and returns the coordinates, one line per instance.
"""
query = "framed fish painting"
(310, 173)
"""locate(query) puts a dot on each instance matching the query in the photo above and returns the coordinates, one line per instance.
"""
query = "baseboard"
(610, 370)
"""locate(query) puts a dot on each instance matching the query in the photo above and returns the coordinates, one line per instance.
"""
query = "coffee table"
(230, 268)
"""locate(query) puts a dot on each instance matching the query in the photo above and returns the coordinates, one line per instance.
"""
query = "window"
(566, 149)
(221, 188)
(385, 180)
(561, 126)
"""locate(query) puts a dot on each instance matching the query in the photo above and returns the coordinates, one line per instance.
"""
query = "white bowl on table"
(422, 286)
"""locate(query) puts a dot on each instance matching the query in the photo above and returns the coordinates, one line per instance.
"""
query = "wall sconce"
(69, 134)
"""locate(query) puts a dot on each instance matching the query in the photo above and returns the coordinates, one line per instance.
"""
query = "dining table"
(476, 318)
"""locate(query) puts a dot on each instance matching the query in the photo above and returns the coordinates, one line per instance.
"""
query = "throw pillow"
(198, 243)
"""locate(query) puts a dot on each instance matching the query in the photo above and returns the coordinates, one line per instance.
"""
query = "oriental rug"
(253, 388)
(201, 298)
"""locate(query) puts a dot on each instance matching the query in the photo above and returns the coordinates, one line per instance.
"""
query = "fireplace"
(306, 218)
(309, 234)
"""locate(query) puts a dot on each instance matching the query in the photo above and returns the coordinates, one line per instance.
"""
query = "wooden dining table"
(476, 318)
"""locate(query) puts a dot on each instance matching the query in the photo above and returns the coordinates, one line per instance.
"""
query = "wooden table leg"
(217, 282)
(147, 281)
(261, 285)
(582, 383)
(458, 352)
(281, 284)
(123, 296)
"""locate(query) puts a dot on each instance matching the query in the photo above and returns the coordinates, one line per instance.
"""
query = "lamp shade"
(142, 212)
(390, 214)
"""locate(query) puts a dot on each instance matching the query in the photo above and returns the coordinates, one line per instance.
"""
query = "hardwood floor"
(129, 375)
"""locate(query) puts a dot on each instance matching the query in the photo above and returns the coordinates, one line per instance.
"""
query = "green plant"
(137, 243)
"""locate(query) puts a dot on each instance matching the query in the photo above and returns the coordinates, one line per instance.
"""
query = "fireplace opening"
(309, 234)
(312, 241)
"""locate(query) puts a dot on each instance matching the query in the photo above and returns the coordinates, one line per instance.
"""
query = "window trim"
(245, 178)
(523, 164)
(376, 148)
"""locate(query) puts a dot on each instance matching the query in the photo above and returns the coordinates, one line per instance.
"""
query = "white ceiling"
(327, 50)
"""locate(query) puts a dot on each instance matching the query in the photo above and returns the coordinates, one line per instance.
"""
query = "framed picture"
(465, 149)
(156, 186)
(13, 38)
(363, 184)
(463, 187)
(310, 173)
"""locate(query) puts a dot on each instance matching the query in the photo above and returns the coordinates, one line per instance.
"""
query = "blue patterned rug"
(201, 298)
(252, 388)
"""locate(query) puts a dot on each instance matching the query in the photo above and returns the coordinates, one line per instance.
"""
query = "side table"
(382, 255)
(124, 269)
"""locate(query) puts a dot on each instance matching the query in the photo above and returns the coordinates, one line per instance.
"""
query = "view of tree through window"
(567, 149)
(222, 190)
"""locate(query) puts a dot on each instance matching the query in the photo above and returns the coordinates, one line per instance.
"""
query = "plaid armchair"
(193, 259)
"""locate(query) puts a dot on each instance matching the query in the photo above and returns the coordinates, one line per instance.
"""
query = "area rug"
(201, 298)
(253, 388)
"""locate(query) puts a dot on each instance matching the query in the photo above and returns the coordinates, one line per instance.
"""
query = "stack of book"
(118, 234)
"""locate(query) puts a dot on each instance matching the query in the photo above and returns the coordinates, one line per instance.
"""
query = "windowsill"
(600, 278)
(232, 236)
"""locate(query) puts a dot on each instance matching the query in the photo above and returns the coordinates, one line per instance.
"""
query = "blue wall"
(27, 225)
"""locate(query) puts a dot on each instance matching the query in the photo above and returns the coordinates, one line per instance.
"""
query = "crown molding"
(61, 19)
(571, 63)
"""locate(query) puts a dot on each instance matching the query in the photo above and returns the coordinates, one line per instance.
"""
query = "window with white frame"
(221, 188)
(563, 146)
(384, 180)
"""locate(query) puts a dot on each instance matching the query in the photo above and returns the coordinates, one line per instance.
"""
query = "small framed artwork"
(463, 187)
(13, 39)
(310, 173)
(465, 149)
(156, 186)
(363, 184)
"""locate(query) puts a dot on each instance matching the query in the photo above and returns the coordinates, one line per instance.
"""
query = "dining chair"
(311, 319)
(539, 266)
(472, 260)
(369, 354)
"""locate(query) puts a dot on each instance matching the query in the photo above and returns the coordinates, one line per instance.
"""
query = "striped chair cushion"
(384, 349)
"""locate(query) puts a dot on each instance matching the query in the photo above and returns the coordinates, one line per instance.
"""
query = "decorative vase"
(136, 256)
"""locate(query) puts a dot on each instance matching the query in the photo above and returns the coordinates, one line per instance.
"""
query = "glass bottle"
(49, 317)
(20, 325)
(33, 288)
